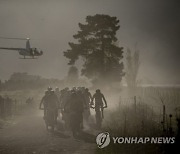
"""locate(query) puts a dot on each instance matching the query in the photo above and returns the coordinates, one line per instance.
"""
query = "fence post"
(152, 112)
(120, 100)
(125, 123)
(4, 108)
(170, 125)
(164, 117)
(135, 103)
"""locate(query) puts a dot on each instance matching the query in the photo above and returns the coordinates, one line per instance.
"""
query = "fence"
(10, 107)
(155, 112)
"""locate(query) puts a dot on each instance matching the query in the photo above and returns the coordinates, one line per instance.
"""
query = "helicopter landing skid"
(28, 58)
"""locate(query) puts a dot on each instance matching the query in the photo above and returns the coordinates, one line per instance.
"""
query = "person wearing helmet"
(58, 94)
(44, 102)
(75, 105)
(88, 98)
(99, 106)
(49, 89)
(52, 104)
(99, 99)
(56, 89)
(49, 101)
(44, 99)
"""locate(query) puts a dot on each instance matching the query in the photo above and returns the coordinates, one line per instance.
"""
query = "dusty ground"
(27, 135)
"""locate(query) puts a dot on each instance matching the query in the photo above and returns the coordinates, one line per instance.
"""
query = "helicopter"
(31, 53)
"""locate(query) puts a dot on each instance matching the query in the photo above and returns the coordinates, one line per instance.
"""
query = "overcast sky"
(153, 24)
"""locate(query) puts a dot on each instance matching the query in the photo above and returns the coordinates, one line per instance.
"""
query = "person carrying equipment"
(75, 107)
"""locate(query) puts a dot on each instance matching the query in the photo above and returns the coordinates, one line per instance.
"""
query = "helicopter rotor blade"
(14, 38)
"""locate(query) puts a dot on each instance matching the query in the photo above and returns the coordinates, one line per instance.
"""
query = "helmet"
(49, 88)
(98, 91)
(72, 91)
(66, 89)
(74, 88)
(52, 92)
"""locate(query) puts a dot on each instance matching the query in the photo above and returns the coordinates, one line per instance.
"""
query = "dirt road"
(29, 136)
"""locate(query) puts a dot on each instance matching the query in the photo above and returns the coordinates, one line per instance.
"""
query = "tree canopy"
(96, 45)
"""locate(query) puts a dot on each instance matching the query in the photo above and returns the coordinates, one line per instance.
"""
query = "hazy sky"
(153, 24)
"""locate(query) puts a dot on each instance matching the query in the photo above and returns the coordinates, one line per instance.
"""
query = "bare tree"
(132, 68)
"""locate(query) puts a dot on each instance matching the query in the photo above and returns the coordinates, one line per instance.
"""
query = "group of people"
(73, 105)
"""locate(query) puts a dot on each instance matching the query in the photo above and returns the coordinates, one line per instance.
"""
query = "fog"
(153, 25)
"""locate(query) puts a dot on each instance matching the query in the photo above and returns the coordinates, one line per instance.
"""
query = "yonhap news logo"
(103, 140)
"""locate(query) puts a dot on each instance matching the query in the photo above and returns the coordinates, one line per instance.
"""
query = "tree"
(132, 68)
(96, 45)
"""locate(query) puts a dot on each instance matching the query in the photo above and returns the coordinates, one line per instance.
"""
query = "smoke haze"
(153, 25)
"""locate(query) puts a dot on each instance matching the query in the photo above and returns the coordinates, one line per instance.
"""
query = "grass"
(142, 118)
